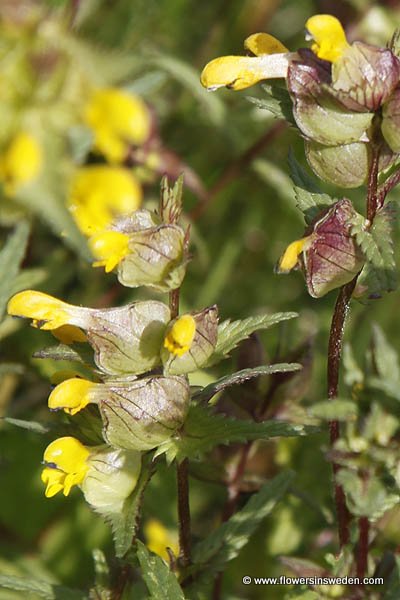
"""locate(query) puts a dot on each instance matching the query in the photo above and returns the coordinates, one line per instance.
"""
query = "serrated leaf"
(11, 257)
(230, 333)
(386, 359)
(29, 425)
(222, 545)
(124, 525)
(379, 275)
(309, 198)
(369, 498)
(75, 353)
(188, 77)
(161, 582)
(241, 376)
(203, 430)
(336, 409)
(277, 102)
(43, 589)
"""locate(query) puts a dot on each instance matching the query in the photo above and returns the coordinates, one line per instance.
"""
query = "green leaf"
(309, 198)
(336, 409)
(393, 587)
(188, 77)
(380, 274)
(277, 102)
(43, 589)
(124, 525)
(29, 425)
(353, 374)
(15, 368)
(203, 430)
(241, 376)
(161, 582)
(230, 333)
(224, 544)
(10, 259)
(386, 359)
(28, 279)
(366, 498)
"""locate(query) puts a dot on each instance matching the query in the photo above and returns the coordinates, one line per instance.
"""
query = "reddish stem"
(362, 548)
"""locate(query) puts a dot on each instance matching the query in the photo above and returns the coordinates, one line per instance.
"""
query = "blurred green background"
(157, 48)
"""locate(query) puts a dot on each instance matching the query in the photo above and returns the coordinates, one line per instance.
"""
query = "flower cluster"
(141, 358)
(345, 101)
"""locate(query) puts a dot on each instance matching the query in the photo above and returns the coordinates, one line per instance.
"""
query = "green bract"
(139, 415)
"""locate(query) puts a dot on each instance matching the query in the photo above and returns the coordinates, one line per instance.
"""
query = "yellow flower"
(20, 163)
(72, 395)
(180, 337)
(65, 465)
(271, 61)
(329, 37)
(291, 255)
(117, 120)
(158, 539)
(109, 247)
(45, 311)
(69, 334)
(100, 193)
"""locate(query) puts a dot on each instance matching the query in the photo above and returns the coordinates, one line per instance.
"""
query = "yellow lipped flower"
(158, 539)
(20, 163)
(72, 395)
(271, 61)
(101, 193)
(109, 247)
(329, 37)
(65, 465)
(291, 255)
(180, 337)
(117, 120)
(45, 311)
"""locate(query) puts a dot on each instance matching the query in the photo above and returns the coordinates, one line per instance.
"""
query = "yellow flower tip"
(240, 72)
(264, 43)
(21, 162)
(117, 118)
(69, 334)
(72, 395)
(158, 539)
(45, 311)
(290, 257)
(328, 35)
(101, 193)
(180, 337)
(66, 465)
(109, 248)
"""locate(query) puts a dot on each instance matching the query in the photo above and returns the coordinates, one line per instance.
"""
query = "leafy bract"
(43, 589)
(230, 333)
(160, 580)
(203, 430)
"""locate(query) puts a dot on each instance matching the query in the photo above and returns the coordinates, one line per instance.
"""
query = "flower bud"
(126, 339)
(328, 255)
(183, 353)
(141, 414)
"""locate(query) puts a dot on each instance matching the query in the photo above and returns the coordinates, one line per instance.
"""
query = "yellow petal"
(239, 72)
(109, 247)
(264, 43)
(54, 481)
(72, 395)
(69, 334)
(21, 162)
(328, 35)
(180, 337)
(46, 311)
(290, 257)
(68, 455)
